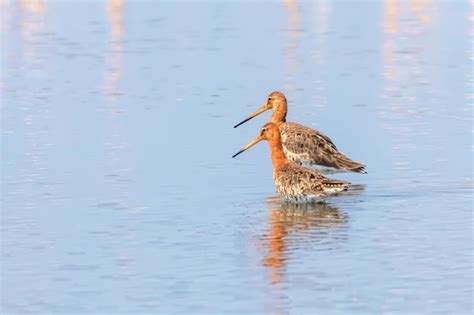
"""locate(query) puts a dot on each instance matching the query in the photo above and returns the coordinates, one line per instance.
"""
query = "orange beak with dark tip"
(251, 144)
(258, 112)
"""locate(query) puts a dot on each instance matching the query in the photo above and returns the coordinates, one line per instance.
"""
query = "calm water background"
(119, 193)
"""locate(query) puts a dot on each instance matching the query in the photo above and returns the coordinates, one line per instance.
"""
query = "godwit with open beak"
(305, 145)
(294, 182)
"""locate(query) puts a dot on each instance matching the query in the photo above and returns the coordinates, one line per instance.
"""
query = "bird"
(305, 145)
(294, 182)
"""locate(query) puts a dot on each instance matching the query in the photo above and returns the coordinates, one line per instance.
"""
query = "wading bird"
(305, 145)
(294, 182)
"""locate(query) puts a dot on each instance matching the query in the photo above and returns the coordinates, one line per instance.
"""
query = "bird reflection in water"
(304, 224)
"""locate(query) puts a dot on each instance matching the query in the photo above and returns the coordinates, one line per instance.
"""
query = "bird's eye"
(269, 99)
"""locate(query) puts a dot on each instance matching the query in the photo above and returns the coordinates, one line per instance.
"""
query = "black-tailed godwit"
(305, 145)
(294, 182)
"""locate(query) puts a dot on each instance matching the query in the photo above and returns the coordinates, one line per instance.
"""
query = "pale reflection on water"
(118, 171)
(119, 194)
(406, 60)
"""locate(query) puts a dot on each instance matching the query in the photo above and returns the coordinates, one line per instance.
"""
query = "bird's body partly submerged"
(300, 184)
(295, 183)
(305, 145)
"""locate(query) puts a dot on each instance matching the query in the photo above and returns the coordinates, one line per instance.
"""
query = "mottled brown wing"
(331, 183)
(303, 144)
(302, 132)
(306, 144)
(298, 180)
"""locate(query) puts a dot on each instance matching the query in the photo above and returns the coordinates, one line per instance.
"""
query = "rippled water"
(119, 193)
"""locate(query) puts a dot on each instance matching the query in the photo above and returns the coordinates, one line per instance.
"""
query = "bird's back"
(305, 145)
(300, 184)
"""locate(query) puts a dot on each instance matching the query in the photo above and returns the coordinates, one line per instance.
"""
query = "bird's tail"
(350, 165)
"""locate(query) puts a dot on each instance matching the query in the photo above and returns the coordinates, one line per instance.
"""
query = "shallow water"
(119, 193)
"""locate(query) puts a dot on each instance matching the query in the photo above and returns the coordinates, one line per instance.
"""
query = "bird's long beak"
(258, 112)
(248, 146)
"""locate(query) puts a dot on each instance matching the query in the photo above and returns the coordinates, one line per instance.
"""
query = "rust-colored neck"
(278, 156)
(279, 114)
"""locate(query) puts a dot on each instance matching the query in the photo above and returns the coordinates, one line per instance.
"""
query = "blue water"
(119, 194)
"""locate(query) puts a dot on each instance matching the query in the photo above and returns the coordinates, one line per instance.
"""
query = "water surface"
(119, 194)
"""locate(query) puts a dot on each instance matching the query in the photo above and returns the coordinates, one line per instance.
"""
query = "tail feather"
(360, 169)
(347, 163)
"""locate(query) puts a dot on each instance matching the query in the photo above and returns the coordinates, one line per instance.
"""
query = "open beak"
(258, 112)
(248, 146)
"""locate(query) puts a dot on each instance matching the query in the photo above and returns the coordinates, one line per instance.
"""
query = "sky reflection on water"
(119, 193)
